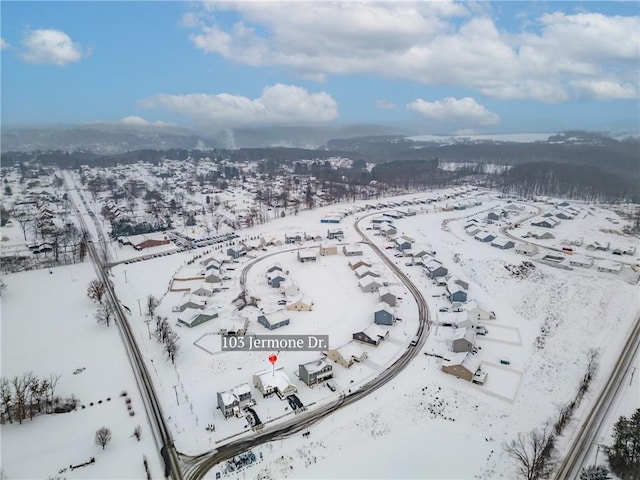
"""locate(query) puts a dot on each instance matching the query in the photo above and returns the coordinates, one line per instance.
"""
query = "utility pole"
(139, 307)
(125, 277)
(148, 328)
(176, 390)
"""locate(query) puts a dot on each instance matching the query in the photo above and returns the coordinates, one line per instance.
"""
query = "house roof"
(464, 333)
(316, 365)
(464, 359)
(374, 331)
(350, 349)
(368, 280)
(384, 306)
(353, 248)
(276, 316)
(278, 379)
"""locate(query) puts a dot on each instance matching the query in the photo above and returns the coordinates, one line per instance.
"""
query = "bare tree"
(104, 314)
(103, 436)
(533, 452)
(5, 397)
(152, 304)
(24, 220)
(137, 432)
(96, 290)
(20, 399)
(3, 286)
(52, 383)
(171, 345)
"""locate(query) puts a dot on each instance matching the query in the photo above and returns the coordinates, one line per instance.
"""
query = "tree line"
(25, 396)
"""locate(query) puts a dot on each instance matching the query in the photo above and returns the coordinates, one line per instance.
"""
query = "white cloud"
(4, 44)
(51, 47)
(434, 43)
(278, 105)
(136, 121)
(385, 104)
(464, 111)
(605, 89)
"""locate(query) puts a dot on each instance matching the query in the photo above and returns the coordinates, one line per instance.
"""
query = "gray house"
(435, 269)
(484, 237)
(463, 340)
(383, 314)
(503, 243)
(372, 335)
(387, 296)
(236, 252)
(230, 401)
(315, 372)
(369, 284)
(403, 243)
(192, 318)
(273, 320)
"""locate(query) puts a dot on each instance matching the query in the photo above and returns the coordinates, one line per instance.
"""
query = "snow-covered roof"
(374, 331)
(384, 306)
(350, 349)
(316, 365)
(465, 333)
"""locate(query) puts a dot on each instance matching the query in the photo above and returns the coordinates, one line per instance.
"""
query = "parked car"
(505, 361)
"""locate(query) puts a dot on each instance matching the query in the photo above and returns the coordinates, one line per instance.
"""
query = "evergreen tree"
(595, 473)
(624, 454)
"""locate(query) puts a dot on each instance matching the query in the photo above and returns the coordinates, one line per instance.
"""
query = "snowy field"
(545, 323)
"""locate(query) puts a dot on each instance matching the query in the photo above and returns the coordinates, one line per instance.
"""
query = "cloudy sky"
(434, 67)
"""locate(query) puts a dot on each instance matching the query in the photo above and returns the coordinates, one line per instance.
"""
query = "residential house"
(435, 269)
(231, 401)
(476, 312)
(503, 243)
(328, 250)
(403, 243)
(369, 284)
(274, 267)
(356, 263)
(526, 249)
(289, 288)
(293, 237)
(388, 230)
(330, 219)
(608, 266)
(581, 261)
(273, 320)
(457, 293)
(463, 365)
(546, 222)
(300, 303)
(196, 302)
(192, 318)
(347, 354)
(275, 381)
(236, 252)
(383, 314)
(335, 233)
(371, 335)
(463, 340)
(484, 236)
(307, 255)
(352, 250)
(275, 279)
(204, 290)
(364, 271)
(387, 296)
(317, 371)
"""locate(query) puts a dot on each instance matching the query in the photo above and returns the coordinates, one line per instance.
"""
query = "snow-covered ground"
(378, 436)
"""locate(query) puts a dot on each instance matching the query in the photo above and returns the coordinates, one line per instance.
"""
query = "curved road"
(197, 467)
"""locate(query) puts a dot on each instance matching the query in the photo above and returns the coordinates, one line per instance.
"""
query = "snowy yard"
(545, 323)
